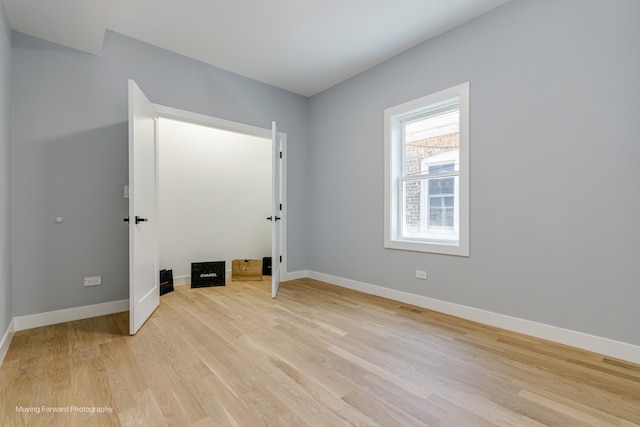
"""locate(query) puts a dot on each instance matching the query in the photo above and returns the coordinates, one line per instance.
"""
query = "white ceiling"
(304, 46)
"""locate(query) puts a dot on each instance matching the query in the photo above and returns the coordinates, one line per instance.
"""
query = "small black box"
(206, 274)
(266, 266)
(166, 281)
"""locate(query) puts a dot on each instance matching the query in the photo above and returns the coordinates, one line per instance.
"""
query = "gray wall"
(555, 108)
(5, 174)
(69, 158)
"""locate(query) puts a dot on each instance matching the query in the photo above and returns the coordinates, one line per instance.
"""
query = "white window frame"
(393, 151)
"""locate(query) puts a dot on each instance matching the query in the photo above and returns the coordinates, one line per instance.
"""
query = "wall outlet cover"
(93, 281)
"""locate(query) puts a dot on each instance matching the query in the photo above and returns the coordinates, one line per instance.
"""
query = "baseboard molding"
(182, 280)
(295, 275)
(69, 314)
(186, 280)
(6, 340)
(604, 346)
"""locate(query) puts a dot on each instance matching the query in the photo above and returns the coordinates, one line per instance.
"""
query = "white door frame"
(214, 122)
(276, 207)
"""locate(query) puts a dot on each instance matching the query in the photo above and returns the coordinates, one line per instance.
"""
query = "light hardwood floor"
(318, 355)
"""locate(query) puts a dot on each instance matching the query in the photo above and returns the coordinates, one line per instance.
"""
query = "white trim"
(295, 275)
(182, 280)
(204, 120)
(604, 346)
(186, 280)
(285, 206)
(69, 314)
(6, 340)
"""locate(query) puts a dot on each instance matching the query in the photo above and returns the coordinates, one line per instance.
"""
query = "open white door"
(144, 292)
(275, 212)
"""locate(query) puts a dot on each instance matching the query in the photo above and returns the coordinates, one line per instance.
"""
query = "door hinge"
(280, 258)
(280, 206)
(281, 154)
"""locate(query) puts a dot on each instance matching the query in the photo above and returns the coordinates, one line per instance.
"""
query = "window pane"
(445, 167)
(431, 141)
(411, 192)
(441, 186)
(440, 215)
(428, 207)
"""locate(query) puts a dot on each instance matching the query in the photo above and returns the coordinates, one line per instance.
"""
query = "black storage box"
(166, 281)
(206, 274)
(266, 266)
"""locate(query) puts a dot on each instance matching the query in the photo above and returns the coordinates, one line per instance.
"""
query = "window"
(427, 173)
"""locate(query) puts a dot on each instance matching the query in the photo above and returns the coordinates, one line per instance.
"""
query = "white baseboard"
(604, 346)
(69, 314)
(6, 340)
(186, 280)
(295, 275)
(181, 280)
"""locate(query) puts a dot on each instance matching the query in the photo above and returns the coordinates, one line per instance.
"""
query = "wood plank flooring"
(319, 355)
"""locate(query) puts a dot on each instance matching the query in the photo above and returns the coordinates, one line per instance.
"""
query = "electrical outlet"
(421, 274)
(93, 281)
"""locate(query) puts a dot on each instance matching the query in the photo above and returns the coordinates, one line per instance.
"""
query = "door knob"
(139, 219)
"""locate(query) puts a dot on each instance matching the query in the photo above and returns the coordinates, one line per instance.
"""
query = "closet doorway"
(216, 192)
(143, 193)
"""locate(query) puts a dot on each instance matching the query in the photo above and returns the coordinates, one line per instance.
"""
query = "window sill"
(444, 248)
